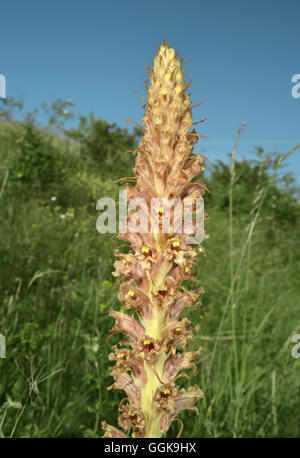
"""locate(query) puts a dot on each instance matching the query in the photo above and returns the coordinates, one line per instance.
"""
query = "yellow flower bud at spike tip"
(154, 336)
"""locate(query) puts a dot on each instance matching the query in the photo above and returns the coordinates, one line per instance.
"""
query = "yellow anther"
(130, 293)
(167, 76)
(145, 249)
(167, 391)
(170, 54)
(179, 77)
(121, 355)
(178, 329)
(159, 210)
(176, 243)
(147, 342)
(187, 269)
(124, 261)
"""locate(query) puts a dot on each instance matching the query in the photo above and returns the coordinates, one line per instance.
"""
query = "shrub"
(36, 161)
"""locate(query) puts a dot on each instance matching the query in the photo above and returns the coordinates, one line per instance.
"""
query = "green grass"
(57, 289)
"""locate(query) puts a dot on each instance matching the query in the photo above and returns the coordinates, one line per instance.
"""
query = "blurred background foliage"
(56, 286)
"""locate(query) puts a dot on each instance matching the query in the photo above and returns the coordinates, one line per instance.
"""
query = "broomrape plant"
(151, 274)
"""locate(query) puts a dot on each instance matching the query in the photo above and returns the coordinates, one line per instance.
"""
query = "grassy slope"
(56, 290)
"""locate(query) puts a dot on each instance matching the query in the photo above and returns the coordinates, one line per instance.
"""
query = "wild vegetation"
(56, 286)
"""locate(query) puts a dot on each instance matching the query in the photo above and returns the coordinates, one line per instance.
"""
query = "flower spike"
(166, 170)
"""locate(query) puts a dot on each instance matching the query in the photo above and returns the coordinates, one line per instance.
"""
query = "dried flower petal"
(111, 431)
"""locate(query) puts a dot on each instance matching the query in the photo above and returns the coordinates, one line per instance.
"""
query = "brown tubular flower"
(148, 364)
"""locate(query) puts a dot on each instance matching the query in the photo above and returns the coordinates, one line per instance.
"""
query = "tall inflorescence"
(152, 357)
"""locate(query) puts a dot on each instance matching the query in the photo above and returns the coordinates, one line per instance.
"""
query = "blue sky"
(242, 55)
